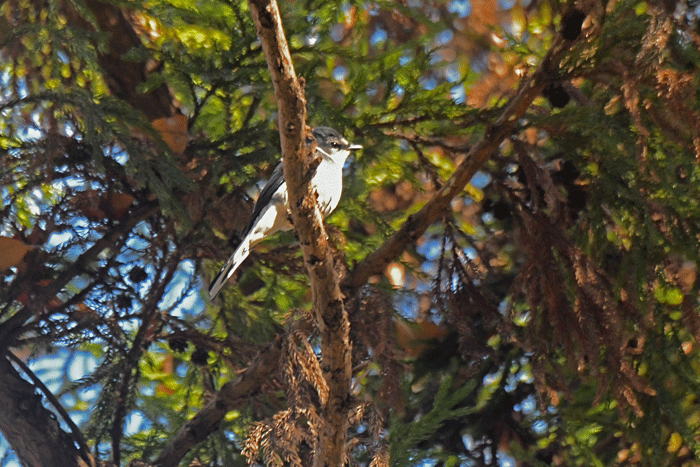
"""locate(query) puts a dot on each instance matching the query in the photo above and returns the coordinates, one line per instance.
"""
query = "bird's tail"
(229, 268)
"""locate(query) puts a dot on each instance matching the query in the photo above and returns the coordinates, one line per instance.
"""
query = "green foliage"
(448, 405)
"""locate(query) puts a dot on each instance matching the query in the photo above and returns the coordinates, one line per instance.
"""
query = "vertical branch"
(330, 313)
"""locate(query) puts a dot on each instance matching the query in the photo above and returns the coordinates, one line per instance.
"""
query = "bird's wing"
(273, 184)
(268, 192)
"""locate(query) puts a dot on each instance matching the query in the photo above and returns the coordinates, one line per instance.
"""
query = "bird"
(270, 213)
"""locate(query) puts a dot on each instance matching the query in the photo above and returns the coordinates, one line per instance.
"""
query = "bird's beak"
(354, 146)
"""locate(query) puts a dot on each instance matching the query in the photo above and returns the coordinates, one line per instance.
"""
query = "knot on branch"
(266, 18)
(290, 129)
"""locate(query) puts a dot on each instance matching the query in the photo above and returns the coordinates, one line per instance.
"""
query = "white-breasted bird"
(270, 213)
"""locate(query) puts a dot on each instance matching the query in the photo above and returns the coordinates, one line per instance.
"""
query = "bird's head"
(332, 144)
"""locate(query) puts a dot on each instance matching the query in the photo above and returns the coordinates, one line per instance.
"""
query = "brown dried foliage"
(469, 307)
(372, 331)
(572, 304)
(289, 437)
(654, 92)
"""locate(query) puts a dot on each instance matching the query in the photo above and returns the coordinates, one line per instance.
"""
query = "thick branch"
(235, 394)
(33, 431)
(330, 313)
(124, 76)
(418, 223)
(53, 401)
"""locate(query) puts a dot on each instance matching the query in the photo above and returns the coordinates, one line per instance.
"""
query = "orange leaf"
(173, 130)
(82, 313)
(12, 252)
(89, 204)
(116, 205)
(23, 298)
(97, 206)
(169, 364)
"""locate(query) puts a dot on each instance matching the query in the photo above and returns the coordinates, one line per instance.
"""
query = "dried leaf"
(12, 251)
(173, 130)
(97, 206)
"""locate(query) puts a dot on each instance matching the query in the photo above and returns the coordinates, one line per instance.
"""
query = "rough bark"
(330, 313)
(247, 385)
(31, 430)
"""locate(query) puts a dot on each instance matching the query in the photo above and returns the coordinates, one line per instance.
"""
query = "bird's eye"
(335, 145)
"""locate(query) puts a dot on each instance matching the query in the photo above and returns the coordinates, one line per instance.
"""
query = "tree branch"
(418, 223)
(12, 327)
(142, 340)
(33, 431)
(83, 449)
(233, 394)
(124, 76)
(331, 316)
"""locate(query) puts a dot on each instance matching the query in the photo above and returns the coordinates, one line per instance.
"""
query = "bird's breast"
(328, 183)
